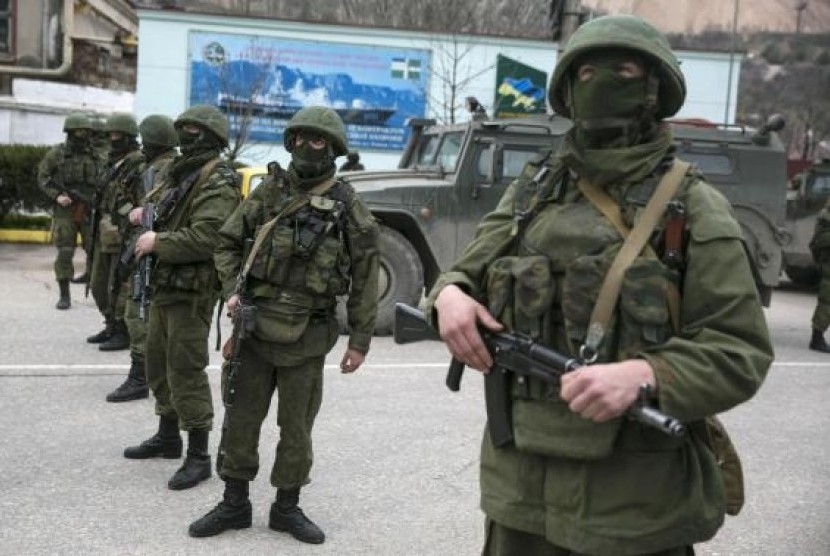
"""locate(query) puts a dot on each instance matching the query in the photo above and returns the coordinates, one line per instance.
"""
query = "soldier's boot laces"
(135, 387)
(166, 443)
(196, 467)
(82, 279)
(818, 343)
(64, 301)
(103, 335)
(233, 512)
(119, 340)
(287, 516)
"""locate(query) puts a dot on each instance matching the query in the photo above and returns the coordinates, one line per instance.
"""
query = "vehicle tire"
(804, 275)
(401, 278)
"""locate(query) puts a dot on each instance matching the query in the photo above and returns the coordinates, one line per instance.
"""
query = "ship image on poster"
(261, 82)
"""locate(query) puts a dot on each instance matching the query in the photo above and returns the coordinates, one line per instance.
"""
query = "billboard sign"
(260, 82)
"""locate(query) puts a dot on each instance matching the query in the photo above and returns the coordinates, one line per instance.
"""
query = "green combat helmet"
(157, 129)
(621, 31)
(324, 121)
(206, 116)
(122, 123)
(76, 120)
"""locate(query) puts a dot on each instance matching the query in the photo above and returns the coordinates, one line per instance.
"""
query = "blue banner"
(260, 82)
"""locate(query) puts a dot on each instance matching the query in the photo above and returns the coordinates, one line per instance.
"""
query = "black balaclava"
(77, 140)
(193, 144)
(311, 166)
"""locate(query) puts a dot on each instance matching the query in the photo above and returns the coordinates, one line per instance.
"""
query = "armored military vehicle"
(449, 176)
(807, 195)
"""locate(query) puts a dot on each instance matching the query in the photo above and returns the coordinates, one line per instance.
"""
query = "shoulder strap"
(635, 240)
(290, 209)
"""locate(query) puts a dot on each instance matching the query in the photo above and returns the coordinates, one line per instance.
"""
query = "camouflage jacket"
(616, 487)
(191, 211)
(61, 170)
(343, 259)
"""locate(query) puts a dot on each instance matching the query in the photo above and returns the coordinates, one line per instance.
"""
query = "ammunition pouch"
(110, 237)
(714, 436)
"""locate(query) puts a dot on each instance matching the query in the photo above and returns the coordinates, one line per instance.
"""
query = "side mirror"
(775, 122)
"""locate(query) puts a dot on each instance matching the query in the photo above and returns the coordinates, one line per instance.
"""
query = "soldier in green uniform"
(820, 248)
(125, 161)
(352, 162)
(579, 477)
(200, 192)
(158, 145)
(317, 240)
(68, 174)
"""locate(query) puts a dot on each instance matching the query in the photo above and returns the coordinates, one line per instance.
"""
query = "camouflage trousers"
(504, 541)
(296, 373)
(64, 235)
(135, 326)
(102, 277)
(821, 316)
(176, 357)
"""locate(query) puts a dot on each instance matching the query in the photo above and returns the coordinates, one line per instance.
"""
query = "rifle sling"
(290, 209)
(635, 242)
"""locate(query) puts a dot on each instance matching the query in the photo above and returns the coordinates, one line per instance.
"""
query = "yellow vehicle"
(251, 176)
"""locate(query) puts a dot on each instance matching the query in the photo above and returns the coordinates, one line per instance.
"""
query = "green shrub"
(18, 179)
(14, 221)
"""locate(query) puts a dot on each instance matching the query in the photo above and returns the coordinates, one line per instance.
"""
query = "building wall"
(163, 66)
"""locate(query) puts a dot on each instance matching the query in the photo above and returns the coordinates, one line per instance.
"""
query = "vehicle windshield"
(439, 150)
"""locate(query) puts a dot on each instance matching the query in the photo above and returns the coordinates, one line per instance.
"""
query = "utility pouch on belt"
(557, 431)
(111, 239)
(282, 319)
(714, 435)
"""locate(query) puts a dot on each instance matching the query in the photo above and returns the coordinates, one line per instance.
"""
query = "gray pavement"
(396, 453)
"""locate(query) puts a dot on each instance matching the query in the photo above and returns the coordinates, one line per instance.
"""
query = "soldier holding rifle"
(584, 256)
(68, 174)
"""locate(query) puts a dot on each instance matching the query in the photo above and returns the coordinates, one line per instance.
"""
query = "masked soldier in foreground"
(68, 174)
(201, 191)
(315, 239)
(125, 161)
(158, 145)
(684, 328)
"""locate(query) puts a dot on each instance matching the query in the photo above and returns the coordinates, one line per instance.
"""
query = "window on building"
(5, 26)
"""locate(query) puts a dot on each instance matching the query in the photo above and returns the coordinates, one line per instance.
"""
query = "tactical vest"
(547, 288)
(307, 250)
(78, 171)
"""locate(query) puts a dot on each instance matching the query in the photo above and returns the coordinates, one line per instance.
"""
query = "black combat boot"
(233, 512)
(135, 387)
(818, 343)
(64, 302)
(119, 340)
(103, 335)
(196, 466)
(166, 443)
(82, 279)
(287, 516)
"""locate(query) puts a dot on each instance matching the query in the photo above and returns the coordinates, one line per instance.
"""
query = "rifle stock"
(517, 354)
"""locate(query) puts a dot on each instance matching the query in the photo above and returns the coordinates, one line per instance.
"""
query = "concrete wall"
(34, 113)
(163, 66)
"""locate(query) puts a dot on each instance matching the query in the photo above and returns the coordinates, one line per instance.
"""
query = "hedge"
(19, 192)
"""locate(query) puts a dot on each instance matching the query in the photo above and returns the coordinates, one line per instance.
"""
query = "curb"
(25, 236)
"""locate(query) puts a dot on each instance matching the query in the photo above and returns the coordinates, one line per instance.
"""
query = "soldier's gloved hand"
(352, 360)
(603, 392)
(63, 200)
(458, 318)
(136, 215)
(145, 244)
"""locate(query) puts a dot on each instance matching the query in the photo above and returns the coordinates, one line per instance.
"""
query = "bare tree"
(454, 72)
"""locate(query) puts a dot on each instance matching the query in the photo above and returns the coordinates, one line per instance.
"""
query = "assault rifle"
(141, 289)
(517, 354)
(244, 321)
